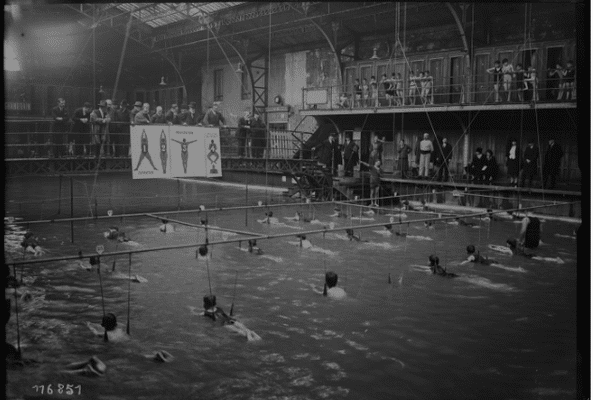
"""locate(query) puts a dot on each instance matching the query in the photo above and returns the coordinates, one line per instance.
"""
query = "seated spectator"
(213, 117)
(475, 167)
(172, 116)
(143, 116)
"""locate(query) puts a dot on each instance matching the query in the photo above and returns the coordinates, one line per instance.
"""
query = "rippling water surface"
(504, 332)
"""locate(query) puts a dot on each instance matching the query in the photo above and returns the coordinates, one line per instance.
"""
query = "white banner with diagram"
(163, 151)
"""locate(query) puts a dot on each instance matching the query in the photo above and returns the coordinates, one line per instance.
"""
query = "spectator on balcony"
(258, 136)
(112, 128)
(60, 127)
(365, 93)
(213, 117)
(351, 157)
(192, 117)
(424, 149)
(552, 163)
(520, 81)
(569, 81)
(399, 90)
(531, 81)
(496, 72)
(373, 92)
(530, 163)
(172, 116)
(558, 74)
(419, 82)
(143, 116)
(183, 113)
(81, 125)
(388, 86)
(403, 152)
(412, 88)
(475, 167)
(357, 98)
(507, 74)
(243, 133)
(159, 117)
(122, 140)
(427, 83)
(343, 102)
(442, 158)
(100, 120)
(137, 106)
(490, 168)
(512, 162)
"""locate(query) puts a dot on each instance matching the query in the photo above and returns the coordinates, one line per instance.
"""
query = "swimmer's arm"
(94, 330)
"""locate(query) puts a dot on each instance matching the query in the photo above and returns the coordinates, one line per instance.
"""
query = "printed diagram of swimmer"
(144, 153)
(163, 151)
(213, 156)
(184, 152)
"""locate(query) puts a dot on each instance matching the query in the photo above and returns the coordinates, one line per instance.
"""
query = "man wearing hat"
(122, 140)
(328, 153)
(81, 126)
(213, 117)
(530, 163)
(60, 126)
(172, 116)
(183, 114)
(99, 119)
(243, 132)
(143, 116)
(552, 163)
(112, 128)
(192, 117)
(258, 137)
(137, 106)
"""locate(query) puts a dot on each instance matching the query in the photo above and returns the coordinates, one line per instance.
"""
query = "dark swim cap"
(470, 249)
(252, 242)
(432, 259)
(388, 226)
(109, 321)
(331, 279)
(203, 250)
(270, 214)
(203, 221)
(164, 221)
(350, 232)
(511, 242)
(210, 301)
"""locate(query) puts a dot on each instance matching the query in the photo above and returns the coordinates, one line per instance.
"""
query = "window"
(246, 91)
(218, 95)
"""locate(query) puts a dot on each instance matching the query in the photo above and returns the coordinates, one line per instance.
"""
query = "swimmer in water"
(436, 268)
(91, 367)
(267, 219)
(108, 325)
(389, 229)
(351, 235)
(330, 289)
(338, 213)
(218, 315)
(31, 245)
(114, 234)
(517, 248)
(252, 248)
(474, 257)
(304, 242)
(465, 223)
(166, 227)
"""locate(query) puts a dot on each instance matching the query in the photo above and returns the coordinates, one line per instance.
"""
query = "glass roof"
(161, 14)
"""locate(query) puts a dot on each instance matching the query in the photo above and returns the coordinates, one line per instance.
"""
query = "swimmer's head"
(269, 214)
(210, 301)
(109, 321)
(388, 227)
(434, 260)
(164, 221)
(350, 232)
(114, 228)
(331, 279)
(28, 235)
(203, 250)
(202, 221)
(512, 243)
(94, 260)
(252, 242)
(303, 237)
(470, 249)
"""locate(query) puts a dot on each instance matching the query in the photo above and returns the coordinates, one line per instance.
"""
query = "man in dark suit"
(123, 119)
(329, 155)
(137, 107)
(243, 133)
(258, 135)
(172, 116)
(442, 158)
(100, 120)
(192, 117)
(81, 126)
(530, 161)
(60, 127)
(552, 159)
(213, 117)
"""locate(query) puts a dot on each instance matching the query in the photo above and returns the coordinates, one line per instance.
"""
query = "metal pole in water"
(72, 235)
(59, 192)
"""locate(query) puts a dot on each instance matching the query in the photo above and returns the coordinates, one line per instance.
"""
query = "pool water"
(507, 332)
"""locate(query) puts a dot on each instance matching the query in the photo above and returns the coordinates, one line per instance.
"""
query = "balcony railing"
(481, 91)
(35, 139)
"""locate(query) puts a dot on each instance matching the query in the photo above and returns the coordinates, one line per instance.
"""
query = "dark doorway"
(455, 79)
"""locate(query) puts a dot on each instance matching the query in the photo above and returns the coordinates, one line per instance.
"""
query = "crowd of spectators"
(105, 128)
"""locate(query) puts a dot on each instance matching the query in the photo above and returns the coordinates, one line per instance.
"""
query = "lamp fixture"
(162, 81)
(374, 56)
(239, 69)
(101, 91)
